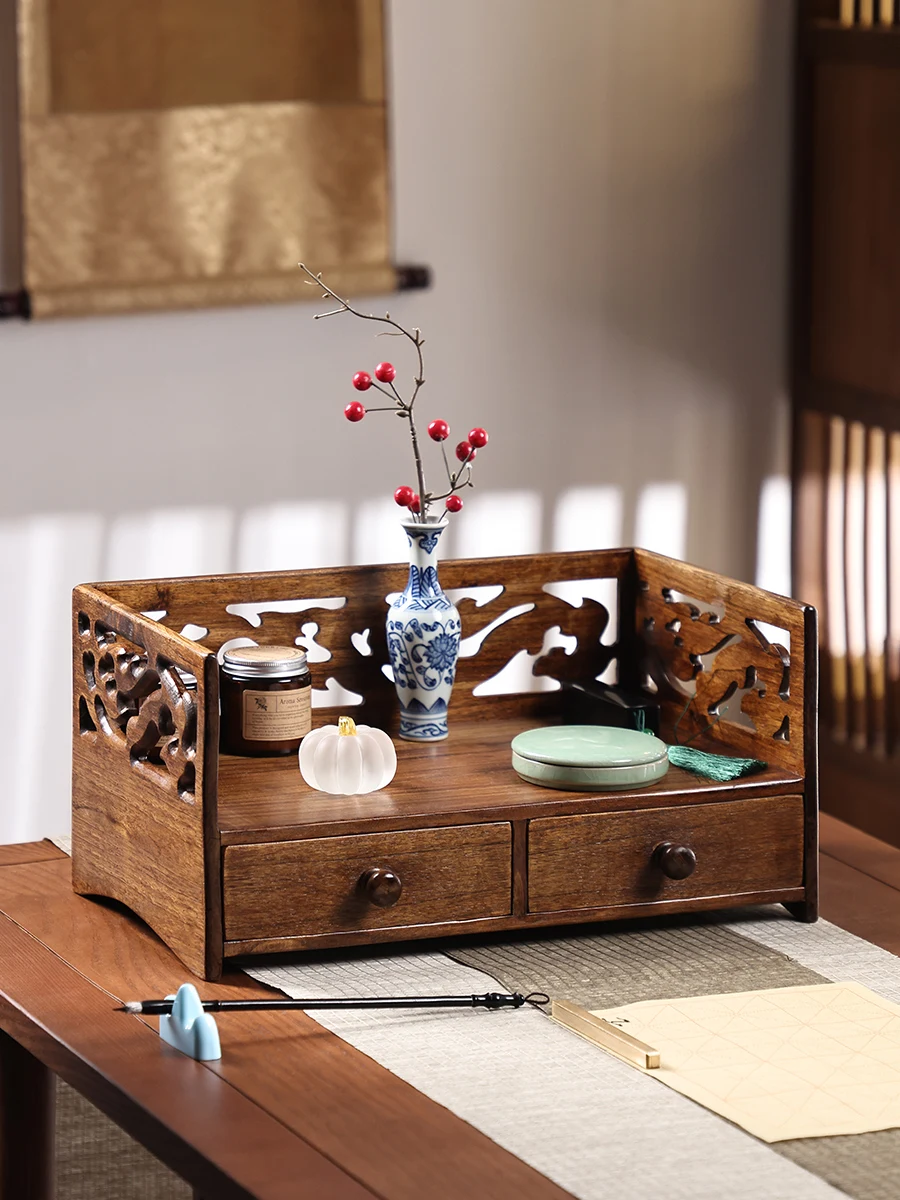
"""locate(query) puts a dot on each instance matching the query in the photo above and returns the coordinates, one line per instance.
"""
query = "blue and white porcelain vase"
(423, 640)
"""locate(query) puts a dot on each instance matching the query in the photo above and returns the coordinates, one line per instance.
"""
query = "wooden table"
(317, 1118)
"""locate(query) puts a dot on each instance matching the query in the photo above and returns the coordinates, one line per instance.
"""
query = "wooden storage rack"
(224, 856)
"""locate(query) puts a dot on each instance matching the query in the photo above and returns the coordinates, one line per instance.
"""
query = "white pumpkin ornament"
(347, 759)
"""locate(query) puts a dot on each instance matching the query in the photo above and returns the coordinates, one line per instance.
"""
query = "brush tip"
(131, 1006)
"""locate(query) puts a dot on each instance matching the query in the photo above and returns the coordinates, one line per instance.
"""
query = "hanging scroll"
(187, 153)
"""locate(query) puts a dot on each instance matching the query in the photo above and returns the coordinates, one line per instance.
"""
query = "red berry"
(465, 450)
(404, 496)
(453, 504)
(362, 381)
(385, 373)
(478, 437)
(438, 431)
(415, 504)
(355, 411)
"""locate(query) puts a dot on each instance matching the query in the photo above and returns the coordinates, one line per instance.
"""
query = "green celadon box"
(589, 758)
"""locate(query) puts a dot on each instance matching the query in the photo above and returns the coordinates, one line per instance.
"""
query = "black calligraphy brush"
(488, 1000)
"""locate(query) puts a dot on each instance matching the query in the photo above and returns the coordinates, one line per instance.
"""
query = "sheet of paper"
(782, 1063)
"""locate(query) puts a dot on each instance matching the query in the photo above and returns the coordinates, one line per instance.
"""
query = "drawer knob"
(381, 886)
(675, 861)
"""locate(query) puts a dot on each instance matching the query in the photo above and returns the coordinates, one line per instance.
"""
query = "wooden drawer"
(596, 861)
(318, 886)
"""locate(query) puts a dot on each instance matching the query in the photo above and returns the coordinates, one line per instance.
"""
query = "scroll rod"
(18, 304)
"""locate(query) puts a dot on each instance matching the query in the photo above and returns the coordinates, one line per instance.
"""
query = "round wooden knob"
(381, 886)
(675, 861)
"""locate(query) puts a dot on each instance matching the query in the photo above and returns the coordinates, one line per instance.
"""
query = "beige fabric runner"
(593, 1124)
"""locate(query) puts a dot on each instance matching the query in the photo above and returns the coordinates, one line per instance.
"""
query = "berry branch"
(438, 430)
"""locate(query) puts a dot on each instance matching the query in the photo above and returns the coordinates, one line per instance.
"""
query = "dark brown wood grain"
(159, 812)
(298, 1112)
(27, 1107)
(595, 861)
(315, 886)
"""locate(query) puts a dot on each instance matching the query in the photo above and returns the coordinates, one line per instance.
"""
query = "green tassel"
(721, 767)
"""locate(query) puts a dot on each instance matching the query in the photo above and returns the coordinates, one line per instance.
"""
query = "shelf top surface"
(468, 777)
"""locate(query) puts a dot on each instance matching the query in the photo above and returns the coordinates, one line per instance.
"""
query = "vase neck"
(423, 542)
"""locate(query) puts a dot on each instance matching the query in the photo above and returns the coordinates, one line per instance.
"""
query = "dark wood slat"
(876, 558)
(856, 180)
(854, 580)
(837, 679)
(851, 403)
(27, 1104)
(810, 908)
(24, 852)
(892, 649)
(810, 442)
(395, 1141)
(831, 42)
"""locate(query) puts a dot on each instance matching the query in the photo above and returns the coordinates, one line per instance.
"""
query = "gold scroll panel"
(129, 204)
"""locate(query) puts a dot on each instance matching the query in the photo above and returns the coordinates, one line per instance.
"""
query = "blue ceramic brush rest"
(190, 1029)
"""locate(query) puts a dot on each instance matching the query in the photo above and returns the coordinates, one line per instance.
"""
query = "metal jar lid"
(265, 662)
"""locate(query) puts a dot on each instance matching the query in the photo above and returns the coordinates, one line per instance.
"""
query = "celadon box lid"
(589, 757)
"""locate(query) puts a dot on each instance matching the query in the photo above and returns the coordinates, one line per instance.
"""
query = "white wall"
(601, 190)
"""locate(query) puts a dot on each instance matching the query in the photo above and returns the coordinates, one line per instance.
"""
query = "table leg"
(27, 1112)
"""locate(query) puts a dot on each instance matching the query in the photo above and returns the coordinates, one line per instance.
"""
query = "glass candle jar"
(266, 694)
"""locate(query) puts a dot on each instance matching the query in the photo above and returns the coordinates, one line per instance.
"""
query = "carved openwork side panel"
(527, 623)
(136, 703)
(727, 659)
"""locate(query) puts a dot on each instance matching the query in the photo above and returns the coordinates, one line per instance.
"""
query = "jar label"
(277, 716)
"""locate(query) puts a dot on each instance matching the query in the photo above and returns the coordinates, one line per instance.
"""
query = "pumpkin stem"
(346, 727)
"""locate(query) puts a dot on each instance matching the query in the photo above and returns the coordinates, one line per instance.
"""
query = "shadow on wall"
(48, 555)
(682, 283)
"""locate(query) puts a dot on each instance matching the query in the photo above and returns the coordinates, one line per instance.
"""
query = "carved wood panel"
(137, 701)
(539, 613)
(707, 644)
(727, 660)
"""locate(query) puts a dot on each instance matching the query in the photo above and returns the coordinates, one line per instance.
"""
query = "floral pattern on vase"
(423, 632)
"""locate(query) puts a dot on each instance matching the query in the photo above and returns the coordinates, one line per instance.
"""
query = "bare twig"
(417, 340)
(447, 465)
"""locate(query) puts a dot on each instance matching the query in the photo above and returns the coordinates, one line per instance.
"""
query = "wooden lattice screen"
(846, 388)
